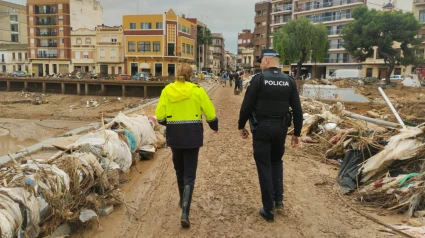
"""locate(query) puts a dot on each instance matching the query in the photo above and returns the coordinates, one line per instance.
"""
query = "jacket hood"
(179, 91)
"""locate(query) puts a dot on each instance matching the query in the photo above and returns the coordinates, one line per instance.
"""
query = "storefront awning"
(145, 66)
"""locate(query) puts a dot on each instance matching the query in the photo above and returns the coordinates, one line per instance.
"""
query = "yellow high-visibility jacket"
(180, 108)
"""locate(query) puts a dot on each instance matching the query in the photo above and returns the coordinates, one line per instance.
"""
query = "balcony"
(317, 19)
(280, 21)
(311, 6)
(217, 52)
(337, 46)
(46, 33)
(47, 45)
(48, 23)
(287, 8)
(82, 46)
(108, 43)
(334, 32)
(45, 12)
(18, 60)
(339, 61)
(47, 56)
(418, 2)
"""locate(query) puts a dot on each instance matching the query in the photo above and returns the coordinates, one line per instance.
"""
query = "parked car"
(19, 74)
(206, 75)
(123, 77)
(140, 76)
(346, 74)
(395, 77)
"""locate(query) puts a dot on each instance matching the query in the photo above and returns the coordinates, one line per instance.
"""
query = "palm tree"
(204, 38)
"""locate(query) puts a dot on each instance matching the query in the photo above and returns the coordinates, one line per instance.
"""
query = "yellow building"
(156, 43)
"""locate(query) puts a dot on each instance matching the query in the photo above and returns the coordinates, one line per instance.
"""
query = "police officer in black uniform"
(267, 103)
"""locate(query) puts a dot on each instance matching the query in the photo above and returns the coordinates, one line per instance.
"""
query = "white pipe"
(397, 116)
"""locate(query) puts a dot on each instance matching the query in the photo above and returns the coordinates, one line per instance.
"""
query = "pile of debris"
(79, 182)
(382, 163)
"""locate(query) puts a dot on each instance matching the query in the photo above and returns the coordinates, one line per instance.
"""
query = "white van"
(346, 74)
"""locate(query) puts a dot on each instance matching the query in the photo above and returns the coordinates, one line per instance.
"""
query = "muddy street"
(227, 194)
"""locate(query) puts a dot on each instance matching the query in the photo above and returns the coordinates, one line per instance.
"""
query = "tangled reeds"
(36, 196)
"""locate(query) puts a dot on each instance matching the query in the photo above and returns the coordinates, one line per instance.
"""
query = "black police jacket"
(269, 95)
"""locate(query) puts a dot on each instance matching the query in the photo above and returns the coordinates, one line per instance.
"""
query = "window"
(369, 72)
(77, 55)
(14, 27)
(31, 19)
(13, 18)
(132, 25)
(60, 18)
(422, 16)
(62, 53)
(184, 29)
(13, 56)
(159, 25)
(60, 6)
(156, 46)
(62, 41)
(114, 38)
(14, 38)
(102, 53)
(32, 40)
(180, 27)
(26, 55)
(131, 46)
(61, 30)
(191, 49)
(19, 56)
(187, 49)
(31, 30)
(88, 41)
(79, 41)
(145, 25)
(143, 46)
(183, 48)
(32, 52)
(113, 54)
(397, 71)
(86, 55)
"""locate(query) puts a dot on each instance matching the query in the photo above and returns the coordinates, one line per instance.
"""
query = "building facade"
(245, 41)
(13, 23)
(247, 59)
(83, 50)
(110, 50)
(157, 43)
(219, 53)
(49, 27)
(13, 57)
(262, 30)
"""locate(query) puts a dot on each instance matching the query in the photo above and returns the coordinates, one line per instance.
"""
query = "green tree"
(299, 40)
(393, 34)
(204, 36)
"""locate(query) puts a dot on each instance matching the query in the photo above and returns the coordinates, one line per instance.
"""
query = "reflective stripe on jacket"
(180, 108)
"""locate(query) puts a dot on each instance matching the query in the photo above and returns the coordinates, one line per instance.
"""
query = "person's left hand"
(244, 133)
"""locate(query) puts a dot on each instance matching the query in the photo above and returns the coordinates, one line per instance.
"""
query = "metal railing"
(284, 8)
(109, 43)
(280, 20)
(316, 5)
(47, 56)
(335, 32)
(336, 46)
(45, 12)
(50, 23)
(48, 45)
(333, 60)
(46, 34)
(316, 19)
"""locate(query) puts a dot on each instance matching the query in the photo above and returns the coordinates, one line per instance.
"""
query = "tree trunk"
(390, 62)
(389, 72)
(300, 64)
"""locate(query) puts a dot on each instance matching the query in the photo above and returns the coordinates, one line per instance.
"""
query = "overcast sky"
(222, 16)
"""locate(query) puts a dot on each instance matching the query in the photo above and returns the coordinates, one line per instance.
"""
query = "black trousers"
(185, 163)
(269, 147)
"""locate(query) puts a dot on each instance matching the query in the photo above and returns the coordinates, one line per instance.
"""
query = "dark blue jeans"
(269, 147)
(185, 163)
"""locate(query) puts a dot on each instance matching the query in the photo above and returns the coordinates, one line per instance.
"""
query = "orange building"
(156, 43)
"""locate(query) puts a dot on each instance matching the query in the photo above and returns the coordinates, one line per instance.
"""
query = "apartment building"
(262, 31)
(219, 53)
(13, 57)
(156, 43)
(110, 50)
(83, 50)
(13, 23)
(49, 27)
(245, 41)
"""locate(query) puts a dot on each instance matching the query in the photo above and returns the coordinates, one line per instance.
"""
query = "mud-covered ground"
(227, 195)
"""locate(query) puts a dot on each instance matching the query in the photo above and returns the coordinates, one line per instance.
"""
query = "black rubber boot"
(267, 215)
(181, 190)
(187, 199)
(278, 205)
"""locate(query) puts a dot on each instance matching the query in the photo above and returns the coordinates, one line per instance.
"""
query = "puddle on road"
(11, 145)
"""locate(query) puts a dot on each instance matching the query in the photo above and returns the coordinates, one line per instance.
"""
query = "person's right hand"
(296, 141)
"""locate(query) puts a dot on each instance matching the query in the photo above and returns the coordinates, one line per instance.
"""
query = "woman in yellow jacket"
(180, 108)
